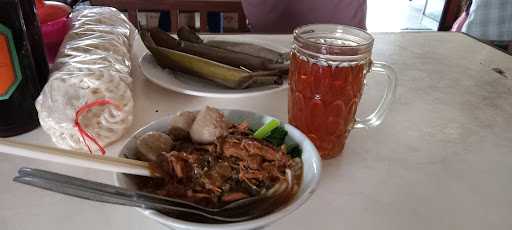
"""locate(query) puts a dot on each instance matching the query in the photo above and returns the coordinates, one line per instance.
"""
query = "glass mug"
(328, 66)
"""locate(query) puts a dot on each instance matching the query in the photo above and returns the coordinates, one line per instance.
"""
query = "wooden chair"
(451, 11)
(175, 7)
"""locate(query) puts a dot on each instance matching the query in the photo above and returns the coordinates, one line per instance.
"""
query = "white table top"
(442, 158)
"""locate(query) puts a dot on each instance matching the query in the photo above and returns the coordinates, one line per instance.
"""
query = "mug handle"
(377, 116)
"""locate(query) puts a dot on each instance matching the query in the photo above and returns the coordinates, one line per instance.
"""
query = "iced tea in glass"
(328, 66)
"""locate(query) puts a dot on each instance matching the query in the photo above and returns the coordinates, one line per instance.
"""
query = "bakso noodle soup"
(206, 160)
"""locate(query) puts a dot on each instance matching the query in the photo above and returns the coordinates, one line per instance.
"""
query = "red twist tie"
(83, 133)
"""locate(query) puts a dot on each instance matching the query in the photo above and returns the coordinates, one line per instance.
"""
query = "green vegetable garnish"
(266, 129)
(277, 136)
(293, 150)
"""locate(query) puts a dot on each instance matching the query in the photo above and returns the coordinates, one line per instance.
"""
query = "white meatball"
(209, 125)
(153, 143)
(184, 120)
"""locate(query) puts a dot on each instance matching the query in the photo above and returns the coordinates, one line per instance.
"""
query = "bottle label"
(10, 74)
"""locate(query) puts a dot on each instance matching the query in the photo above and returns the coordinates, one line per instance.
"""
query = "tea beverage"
(328, 64)
(323, 100)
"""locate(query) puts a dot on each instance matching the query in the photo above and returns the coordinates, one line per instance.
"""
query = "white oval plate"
(192, 85)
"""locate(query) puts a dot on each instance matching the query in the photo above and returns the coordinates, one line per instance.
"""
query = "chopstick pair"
(107, 163)
(246, 209)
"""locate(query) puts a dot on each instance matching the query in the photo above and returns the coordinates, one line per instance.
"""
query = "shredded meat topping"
(234, 167)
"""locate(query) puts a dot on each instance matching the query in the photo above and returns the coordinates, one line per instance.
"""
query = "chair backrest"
(451, 12)
(175, 7)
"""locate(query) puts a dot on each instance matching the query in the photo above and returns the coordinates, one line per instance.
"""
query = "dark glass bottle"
(35, 39)
(21, 79)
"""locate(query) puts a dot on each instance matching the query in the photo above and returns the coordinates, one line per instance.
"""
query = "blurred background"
(265, 16)
(400, 15)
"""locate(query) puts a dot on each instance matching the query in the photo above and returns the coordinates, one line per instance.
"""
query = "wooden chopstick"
(107, 163)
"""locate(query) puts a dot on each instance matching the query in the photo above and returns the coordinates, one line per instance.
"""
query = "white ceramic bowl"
(311, 164)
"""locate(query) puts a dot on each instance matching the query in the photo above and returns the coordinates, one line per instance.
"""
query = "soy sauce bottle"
(35, 39)
(23, 66)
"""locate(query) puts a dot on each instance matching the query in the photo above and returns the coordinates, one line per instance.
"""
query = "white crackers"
(93, 63)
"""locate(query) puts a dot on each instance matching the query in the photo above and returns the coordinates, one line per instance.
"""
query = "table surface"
(442, 158)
